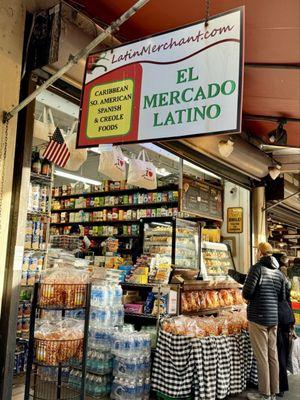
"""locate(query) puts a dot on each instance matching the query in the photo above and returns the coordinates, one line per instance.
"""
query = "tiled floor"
(293, 394)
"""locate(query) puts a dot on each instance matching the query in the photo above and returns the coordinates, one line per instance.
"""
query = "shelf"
(121, 222)
(119, 192)
(212, 310)
(135, 315)
(38, 213)
(47, 308)
(88, 371)
(115, 236)
(39, 178)
(199, 285)
(129, 206)
(141, 285)
(96, 223)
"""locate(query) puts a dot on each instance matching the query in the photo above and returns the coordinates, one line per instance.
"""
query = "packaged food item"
(212, 299)
(58, 341)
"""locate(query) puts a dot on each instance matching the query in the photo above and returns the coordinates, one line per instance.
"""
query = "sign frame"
(240, 211)
(238, 127)
(200, 214)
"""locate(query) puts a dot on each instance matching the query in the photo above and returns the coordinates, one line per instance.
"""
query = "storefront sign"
(201, 199)
(180, 83)
(235, 220)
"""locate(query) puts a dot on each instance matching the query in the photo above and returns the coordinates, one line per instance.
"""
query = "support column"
(12, 23)
(258, 218)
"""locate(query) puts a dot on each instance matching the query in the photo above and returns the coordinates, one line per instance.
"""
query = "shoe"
(280, 394)
(257, 396)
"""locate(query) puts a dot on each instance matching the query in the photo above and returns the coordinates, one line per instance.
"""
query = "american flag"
(57, 150)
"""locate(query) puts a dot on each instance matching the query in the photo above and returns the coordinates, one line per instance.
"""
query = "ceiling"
(272, 50)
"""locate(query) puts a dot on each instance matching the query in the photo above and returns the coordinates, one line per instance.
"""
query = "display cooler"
(216, 260)
(173, 241)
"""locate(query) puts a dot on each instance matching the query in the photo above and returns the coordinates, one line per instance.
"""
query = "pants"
(264, 344)
(283, 346)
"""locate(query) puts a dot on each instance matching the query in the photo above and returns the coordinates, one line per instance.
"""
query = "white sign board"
(180, 83)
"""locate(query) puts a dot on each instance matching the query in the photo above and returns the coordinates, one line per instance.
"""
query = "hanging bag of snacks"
(142, 173)
(112, 164)
(77, 156)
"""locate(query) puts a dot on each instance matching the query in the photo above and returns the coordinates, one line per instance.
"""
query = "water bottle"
(118, 295)
(120, 315)
(146, 391)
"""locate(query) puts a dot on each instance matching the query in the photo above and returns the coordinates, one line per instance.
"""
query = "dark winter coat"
(264, 288)
(285, 313)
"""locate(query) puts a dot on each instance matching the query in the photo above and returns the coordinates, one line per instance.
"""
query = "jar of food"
(121, 215)
(115, 214)
(64, 189)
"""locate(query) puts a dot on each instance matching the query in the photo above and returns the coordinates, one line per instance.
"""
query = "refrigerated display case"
(216, 260)
(173, 241)
(187, 244)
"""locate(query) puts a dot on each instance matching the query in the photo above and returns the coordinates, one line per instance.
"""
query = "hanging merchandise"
(44, 126)
(77, 156)
(142, 173)
(112, 164)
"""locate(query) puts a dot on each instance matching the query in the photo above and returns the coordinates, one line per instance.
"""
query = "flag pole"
(7, 115)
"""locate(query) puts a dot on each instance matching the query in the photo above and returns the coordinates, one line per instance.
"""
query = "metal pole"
(280, 201)
(74, 59)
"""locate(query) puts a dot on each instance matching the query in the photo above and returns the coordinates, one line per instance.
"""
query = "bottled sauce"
(46, 167)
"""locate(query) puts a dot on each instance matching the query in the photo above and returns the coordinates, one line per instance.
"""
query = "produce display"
(58, 341)
(227, 323)
(216, 259)
(193, 301)
(63, 287)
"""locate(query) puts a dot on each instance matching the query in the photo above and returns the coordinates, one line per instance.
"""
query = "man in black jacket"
(264, 288)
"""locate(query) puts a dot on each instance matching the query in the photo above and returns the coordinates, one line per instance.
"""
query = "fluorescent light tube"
(76, 178)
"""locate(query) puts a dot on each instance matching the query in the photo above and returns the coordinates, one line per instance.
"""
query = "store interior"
(83, 227)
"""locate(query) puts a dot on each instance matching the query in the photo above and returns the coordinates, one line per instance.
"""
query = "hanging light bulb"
(279, 135)
(225, 147)
(274, 171)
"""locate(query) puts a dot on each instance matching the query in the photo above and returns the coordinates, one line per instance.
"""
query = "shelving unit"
(118, 192)
(125, 206)
(33, 253)
(36, 388)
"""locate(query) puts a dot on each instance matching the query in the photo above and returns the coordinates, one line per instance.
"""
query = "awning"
(272, 53)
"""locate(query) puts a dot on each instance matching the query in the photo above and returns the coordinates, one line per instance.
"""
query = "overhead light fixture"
(279, 135)
(162, 172)
(225, 147)
(274, 171)
(76, 178)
